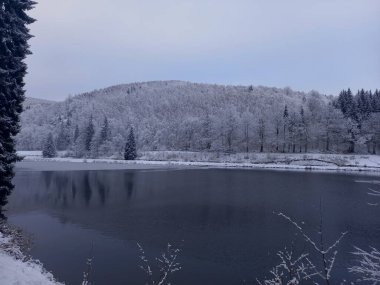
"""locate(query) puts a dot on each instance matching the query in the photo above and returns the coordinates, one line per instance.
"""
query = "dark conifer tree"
(76, 134)
(104, 132)
(351, 108)
(346, 103)
(49, 149)
(363, 105)
(376, 101)
(14, 36)
(130, 152)
(89, 134)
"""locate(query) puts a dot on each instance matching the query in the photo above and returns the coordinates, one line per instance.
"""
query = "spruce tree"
(363, 104)
(14, 36)
(130, 147)
(76, 134)
(49, 149)
(89, 134)
(376, 101)
(104, 132)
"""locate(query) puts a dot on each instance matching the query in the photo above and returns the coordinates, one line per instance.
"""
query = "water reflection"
(71, 189)
(225, 217)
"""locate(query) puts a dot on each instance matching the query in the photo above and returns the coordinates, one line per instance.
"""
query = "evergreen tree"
(14, 47)
(376, 101)
(89, 134)
(130, 147)
(49, 149)
(76, 134)
(363, 104)
(286, 113)
(104, 132)
(347, 104)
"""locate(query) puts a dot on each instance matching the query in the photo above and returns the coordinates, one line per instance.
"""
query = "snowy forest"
(176, 115)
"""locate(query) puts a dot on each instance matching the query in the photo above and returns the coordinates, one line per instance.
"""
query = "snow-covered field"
(16, 268)
(320, 162)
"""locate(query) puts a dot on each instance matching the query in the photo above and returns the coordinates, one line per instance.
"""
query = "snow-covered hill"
(177, 115)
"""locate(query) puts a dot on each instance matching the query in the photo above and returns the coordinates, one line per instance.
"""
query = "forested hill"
(176, 115)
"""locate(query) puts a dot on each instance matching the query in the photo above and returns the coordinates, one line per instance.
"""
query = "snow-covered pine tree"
(76, 134)
(14, 47)
(363, 103)
(347, 104)
(130, 152)
(376, 101)
(89, 134)
(104, 132)
(49, 149)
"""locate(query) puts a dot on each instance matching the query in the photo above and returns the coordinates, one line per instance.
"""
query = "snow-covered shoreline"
(298, 162)
(15, 266)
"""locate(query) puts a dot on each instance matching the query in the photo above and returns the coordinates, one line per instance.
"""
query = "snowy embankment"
(15, 267)
(319, 162)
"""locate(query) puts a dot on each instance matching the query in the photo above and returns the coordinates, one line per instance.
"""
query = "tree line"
(87, 143)
(193, 117)
(362, 111)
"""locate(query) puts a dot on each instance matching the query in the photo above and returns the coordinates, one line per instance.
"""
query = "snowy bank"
(154, 159)
(15, 267)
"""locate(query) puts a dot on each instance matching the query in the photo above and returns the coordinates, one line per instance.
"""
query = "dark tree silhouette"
(14, 48)
(49, 149)
(130, 147)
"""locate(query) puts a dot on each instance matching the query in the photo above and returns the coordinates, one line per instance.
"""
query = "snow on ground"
(16, 269)
(157, 159)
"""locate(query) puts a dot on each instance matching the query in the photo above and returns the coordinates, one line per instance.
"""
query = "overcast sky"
(326, 45)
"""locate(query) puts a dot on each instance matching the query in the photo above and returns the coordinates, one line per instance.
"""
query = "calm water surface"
(224, 220)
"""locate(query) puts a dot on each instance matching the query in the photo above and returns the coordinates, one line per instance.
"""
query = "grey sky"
(81, 45)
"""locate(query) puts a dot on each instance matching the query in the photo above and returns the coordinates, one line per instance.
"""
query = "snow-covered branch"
(167, 264)
(368, 265)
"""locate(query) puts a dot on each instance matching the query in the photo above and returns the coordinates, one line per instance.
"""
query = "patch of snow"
(368, 181)
(273, 165)
(16, 269)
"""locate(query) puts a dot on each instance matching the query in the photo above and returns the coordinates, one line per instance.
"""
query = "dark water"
(224, 217)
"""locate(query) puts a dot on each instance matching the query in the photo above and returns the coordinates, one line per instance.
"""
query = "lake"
(224, 220)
